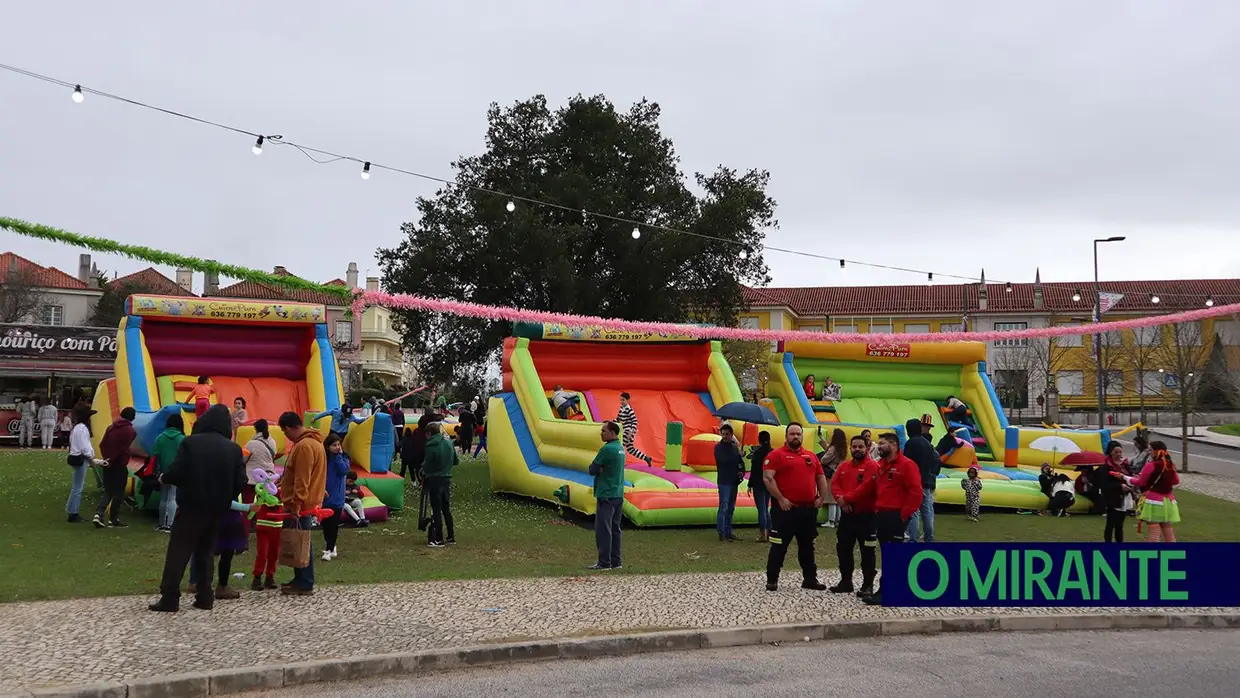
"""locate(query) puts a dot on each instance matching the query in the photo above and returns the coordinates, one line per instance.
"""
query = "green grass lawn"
(43, 557)
(1228, 429)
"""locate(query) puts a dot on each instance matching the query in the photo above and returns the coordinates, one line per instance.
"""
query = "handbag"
(294, 548)
(77, 461)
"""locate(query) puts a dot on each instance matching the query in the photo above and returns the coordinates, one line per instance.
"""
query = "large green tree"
(110, 308)
(585, 156)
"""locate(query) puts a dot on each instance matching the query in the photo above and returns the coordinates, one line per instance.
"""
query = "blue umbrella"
(747, 412)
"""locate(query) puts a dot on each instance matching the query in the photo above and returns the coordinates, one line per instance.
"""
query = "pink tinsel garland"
(490, 312)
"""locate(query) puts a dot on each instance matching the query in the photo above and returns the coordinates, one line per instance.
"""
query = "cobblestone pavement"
(117, 639)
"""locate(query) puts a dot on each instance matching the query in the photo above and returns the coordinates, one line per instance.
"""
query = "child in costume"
(972, 486)
(1159, 509)
(268, 518)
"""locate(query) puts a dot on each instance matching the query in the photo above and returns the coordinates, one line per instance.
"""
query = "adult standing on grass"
(1160, 512)
(81, 455)
(262, 448)
(898, 496)
(26, 414)
(466, 423)
(302, 488)
(855, 486)
(918, 449)
(794, 478)
(729, 470)
(165, 453)
(209, 474)
(627, 419)
(114, 447)
(437, 466)
(757, 488)
(608, 472)
(47, 424)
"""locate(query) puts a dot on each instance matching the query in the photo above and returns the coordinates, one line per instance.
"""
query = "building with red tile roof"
(153, 280)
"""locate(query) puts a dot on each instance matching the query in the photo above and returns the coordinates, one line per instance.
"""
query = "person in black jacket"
(730, 467)
(209, 474)
(919, 450)
(761, 497)
(465, 429)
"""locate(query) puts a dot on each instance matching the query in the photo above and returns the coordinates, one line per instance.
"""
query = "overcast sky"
(947, 135)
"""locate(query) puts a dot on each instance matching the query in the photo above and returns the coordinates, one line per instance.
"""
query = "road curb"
(1198, 440)
(235, 681)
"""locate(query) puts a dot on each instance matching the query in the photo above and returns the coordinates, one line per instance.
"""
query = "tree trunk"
(1184, 441)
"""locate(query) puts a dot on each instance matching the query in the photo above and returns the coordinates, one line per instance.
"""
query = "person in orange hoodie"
(899, 494)
(302, 488)
(855, 487)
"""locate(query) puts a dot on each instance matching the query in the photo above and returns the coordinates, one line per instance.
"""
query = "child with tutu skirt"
(1159, 509)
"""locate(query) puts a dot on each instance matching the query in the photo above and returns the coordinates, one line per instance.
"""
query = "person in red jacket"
(854, 487)
(898, 496)
(794, 478)
(114, 448)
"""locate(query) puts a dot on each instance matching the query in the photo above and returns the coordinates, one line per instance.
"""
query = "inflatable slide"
(277, 357)
(884, 385)
(675, 382)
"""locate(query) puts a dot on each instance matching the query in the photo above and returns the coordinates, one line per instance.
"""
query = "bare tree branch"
(1184, 352)
(20, 298)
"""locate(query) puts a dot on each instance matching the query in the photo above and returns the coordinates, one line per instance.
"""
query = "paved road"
(1203, 458)
(1195, 663)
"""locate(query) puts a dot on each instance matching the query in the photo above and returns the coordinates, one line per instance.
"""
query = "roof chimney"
(279, 270)
(350, 276)
(210, 283)
(372, 283)
(84, 268)
(185, 279)
(983, 296)
(1037, 290)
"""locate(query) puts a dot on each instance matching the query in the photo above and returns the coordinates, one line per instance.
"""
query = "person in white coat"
(47, 424)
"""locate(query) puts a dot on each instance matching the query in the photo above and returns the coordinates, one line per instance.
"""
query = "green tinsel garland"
(147, 254)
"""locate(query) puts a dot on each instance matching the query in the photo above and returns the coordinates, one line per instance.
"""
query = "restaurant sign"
(55, 342)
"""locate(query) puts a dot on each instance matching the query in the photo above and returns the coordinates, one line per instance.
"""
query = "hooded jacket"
(209, 470)
(304, 483)
(440, 456)
(919, 450)
(114, 446)
(166, 446)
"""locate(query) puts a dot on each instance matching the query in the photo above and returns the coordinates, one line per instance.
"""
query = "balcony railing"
(386, 366)
(385, 336)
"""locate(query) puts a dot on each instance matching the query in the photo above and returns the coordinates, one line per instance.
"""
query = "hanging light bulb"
(744, 254)
(1008, 288)
(77, 94)
(258, 146)
(512, 206)
(1155, 299)
(1076, 296)
(1209, 301)
(930, 278)
(841, 265)
(637, 232)
(366, 170)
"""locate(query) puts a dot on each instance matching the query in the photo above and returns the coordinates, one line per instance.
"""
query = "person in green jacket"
(165, 451)
(437, 465)
(608, 472)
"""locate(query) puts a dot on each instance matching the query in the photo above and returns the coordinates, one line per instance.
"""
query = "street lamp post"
(1098, 379)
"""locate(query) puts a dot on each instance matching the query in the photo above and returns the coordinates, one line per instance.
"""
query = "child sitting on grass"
(972, 486)
(353, 500)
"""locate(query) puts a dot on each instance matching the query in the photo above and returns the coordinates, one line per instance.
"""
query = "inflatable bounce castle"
(276, 356)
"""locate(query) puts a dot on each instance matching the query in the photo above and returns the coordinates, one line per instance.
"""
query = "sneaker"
(813, 585)
(598, 568)
(772, 586)
(841, 588)
(435, 544)
(831, 524)
(256, 584)
(873, 599)
(327, 556)
(98, 521)
(74, 518)
(363, 523)
(733, 537)
(825, 524)
(161, 607)
(450, 541)
(270, 583)
(203, 606)
(117, 524)
(866, 591)
(296, 591)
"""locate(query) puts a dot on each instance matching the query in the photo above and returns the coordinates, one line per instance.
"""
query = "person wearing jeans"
(922, 522)
(919, 449)
(730, 468)
(165, 452)
(81, 453)
(303, 487)
(608, 471)
(303, 578)
(761, 496)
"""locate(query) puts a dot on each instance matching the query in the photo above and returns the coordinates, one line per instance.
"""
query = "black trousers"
(889, 527)
(114, 479)
(193, 535)
(465, 438)
(331, 529)
(1114, 531)
(857, 530)
(440, 489)
(801, 524)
